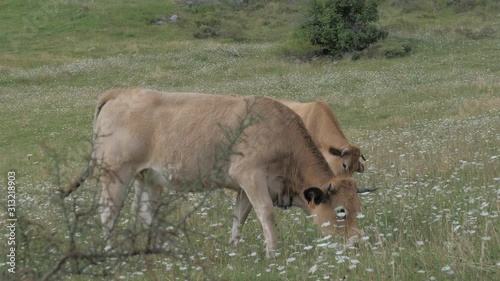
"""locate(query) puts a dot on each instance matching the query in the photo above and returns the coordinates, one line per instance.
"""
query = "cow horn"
(345, 151)
(330, 188)
(366, 190)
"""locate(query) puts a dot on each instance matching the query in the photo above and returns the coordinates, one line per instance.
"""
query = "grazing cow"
(320, 121)
(173, 139)
(322, 125)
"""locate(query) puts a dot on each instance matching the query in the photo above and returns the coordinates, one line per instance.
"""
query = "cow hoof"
(271, 254)
(353, 242)
(166, 247)
(235, 241)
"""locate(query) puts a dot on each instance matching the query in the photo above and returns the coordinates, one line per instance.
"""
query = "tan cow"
(342, 157)
(322, 125)
(171, 139)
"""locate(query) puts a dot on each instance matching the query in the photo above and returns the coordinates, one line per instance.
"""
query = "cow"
(172, 139)
(322, 125)
(320, 121)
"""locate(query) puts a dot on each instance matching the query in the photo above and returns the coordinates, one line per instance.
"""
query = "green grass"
(428, 123)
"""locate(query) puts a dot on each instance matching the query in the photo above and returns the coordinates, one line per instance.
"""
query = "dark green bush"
(342, 26)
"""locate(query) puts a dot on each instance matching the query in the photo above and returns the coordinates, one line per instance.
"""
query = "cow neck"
(311, 167)
(314, 173)
(308, 167)
(331, 119)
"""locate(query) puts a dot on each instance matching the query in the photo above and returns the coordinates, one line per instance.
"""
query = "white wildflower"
(323, 239)
(313, 269)
(446, 268)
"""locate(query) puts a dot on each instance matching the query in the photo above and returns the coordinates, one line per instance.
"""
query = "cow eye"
(341, 212)
(344, 166)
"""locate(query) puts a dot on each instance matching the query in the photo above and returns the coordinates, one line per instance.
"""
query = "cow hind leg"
(114, 190)
(141, 204)
(148, 190)
(241, 211)
(149, 186)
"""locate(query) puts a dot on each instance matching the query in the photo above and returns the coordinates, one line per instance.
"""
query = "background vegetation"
(341, 26)
(424, 105)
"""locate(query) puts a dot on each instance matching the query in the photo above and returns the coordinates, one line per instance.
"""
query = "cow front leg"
(241, 211)
(255, 187)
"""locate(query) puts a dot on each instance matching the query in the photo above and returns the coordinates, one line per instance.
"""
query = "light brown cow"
(342, 157)
(171, 139)
(322, 125)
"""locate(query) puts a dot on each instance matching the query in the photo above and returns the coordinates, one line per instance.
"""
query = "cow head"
(346, 161)
(335, 207)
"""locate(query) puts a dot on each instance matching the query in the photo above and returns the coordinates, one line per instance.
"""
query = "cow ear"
(314, 195)
(335, 152)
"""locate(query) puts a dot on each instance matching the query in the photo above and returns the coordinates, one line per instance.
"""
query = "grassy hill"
(427, 117)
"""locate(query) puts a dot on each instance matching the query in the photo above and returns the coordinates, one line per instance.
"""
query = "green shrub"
(342, 26)
(389, 48)
(207, 28)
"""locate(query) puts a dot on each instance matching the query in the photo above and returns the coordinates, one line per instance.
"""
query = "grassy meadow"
(428, 121)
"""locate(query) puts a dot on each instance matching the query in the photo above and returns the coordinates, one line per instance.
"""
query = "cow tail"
(89, 171)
